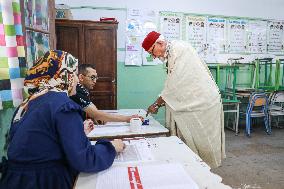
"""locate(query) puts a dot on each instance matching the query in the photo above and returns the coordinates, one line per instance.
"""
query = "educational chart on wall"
(171, 25)
(214, 37)
(216, 41)
(196, 32)
(275, 37)
(134, 32)
(139, 23)
(256, 37)
(133, 51)
(236, 35)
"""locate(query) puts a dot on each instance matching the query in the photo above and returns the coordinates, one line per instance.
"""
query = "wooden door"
(101, 51)
(70, 38)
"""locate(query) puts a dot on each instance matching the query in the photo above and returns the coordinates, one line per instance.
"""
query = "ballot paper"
(117, 124)
(135, 151)
(102, 130)
(129, 154)
(127, 112)
(110, 111)
(124, 112)
(147, 176)
(139, 112)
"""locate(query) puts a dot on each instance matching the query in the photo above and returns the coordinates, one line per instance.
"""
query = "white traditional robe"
(193, 103)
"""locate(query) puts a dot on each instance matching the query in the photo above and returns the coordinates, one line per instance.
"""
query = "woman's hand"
(88, 126)
(118, 145)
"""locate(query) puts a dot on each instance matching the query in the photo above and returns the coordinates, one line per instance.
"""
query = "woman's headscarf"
(55, 71)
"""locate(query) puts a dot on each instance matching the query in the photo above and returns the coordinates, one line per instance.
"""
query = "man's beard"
(163, 59)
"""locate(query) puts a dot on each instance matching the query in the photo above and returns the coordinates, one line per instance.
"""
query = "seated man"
(87, 81)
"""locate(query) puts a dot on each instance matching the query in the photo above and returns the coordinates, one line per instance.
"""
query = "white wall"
(268, 9)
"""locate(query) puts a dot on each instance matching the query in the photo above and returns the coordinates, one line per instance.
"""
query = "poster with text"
(257, 37)
(216, 31)
(237, 35)
(171, 25)
(275, 37)
(196, 32)
(133, 51)
(139, 22)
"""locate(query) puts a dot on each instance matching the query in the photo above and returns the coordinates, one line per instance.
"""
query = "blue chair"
(257, 107)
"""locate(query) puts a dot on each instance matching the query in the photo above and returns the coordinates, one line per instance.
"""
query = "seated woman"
(47, 144)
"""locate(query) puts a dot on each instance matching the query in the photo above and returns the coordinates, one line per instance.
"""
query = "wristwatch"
(157, 106)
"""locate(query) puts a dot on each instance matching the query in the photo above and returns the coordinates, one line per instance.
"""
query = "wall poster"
(171, 25)
(275, 37)
(196, 32)
(236, 35)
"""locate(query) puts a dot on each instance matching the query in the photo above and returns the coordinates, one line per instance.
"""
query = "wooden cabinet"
(93, 43)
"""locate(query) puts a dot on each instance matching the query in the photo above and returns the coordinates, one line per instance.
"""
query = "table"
(166, 150)
(121, 129)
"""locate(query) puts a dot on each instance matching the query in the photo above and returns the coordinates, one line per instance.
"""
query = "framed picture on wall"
(39, 28)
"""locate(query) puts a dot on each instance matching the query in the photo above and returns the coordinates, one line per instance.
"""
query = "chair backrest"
(277, 97)
(258, 99)
(276, 101)
(261, 101)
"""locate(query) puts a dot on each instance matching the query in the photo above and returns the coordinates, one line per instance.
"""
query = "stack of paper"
(147, 176)
(117, 124)
(102, 130)
(135, 151)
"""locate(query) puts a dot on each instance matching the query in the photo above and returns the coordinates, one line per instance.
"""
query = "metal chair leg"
(266, 123)
(248, 125)
(237, 119)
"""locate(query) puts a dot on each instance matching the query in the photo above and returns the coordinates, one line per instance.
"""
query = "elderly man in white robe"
(192, 98)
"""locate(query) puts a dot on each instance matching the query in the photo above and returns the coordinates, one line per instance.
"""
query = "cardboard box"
(63, 11)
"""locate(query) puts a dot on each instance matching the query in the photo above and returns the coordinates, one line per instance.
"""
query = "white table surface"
(168, 150)
(121, 130)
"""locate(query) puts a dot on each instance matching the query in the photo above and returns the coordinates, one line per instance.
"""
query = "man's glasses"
(93, 77)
